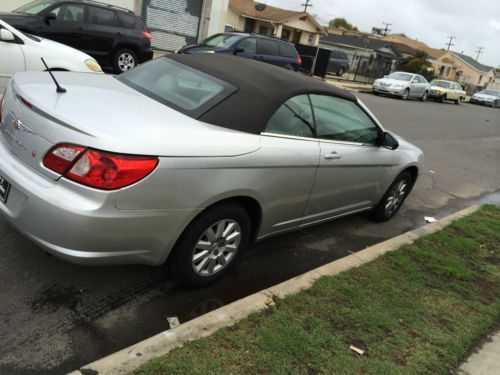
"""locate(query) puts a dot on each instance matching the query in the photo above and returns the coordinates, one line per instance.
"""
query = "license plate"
(4, 189)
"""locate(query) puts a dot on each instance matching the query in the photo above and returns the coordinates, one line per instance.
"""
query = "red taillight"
(299, 61)
(98, 169)
(147, 35)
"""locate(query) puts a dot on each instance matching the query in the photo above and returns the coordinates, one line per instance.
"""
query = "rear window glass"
(127, 20)
(267, 47)
(178, 86)
(105, 17)
(287, 50)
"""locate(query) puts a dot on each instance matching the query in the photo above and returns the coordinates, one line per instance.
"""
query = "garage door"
(172, 23)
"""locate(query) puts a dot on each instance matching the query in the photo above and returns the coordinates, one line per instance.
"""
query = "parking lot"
(57, 316)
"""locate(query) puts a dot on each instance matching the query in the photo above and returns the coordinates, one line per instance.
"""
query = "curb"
(128, 359)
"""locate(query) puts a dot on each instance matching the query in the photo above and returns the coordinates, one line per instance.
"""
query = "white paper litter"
(429, 219)
(431, 171)
(173, 321)
(357, 350)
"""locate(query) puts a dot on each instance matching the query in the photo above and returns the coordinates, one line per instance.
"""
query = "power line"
(386, 30)
(306, 5)
(479, 51)
(449, 44)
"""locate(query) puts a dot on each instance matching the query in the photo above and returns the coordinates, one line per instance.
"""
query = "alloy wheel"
(126, 61)
(396, 197)
(216, 247)
(424, 97)
(406, 94)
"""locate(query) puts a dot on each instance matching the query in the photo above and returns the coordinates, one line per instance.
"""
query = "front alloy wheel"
(424, 97)
(394, 197)
(406, 94)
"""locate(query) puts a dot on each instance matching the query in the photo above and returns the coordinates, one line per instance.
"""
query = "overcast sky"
(473, 23)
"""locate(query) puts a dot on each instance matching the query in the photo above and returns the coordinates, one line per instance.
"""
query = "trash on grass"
(173, 321)
(357, 350)
(270, 303)
(431, 171)
(429, 219)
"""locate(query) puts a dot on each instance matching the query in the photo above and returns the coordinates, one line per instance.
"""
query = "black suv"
(113, 36)
(251, 46)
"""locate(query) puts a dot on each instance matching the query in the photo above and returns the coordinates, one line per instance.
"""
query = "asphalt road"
(55, 317)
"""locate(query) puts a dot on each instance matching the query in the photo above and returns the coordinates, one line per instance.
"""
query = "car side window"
(69, 13)
(293, 118)
(249, 45)
(342, 120)
(287, 50)
(104, 17)
(267, 47)
(127, 20)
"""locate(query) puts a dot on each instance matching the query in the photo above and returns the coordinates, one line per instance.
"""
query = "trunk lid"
(100, 112)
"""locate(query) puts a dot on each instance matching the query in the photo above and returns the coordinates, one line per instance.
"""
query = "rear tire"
(210, 245)
(124, 60)
(340, 72)
(394, 197)
(457, 101)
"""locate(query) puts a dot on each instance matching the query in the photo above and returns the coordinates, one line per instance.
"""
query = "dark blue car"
(258, 47)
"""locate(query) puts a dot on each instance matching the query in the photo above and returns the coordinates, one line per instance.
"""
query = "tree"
(343, 23)
(418, 64)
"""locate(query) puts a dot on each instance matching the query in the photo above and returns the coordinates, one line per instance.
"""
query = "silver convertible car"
(187, 159)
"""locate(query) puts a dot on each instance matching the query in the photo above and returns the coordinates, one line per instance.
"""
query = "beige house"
(468, 71)
(297, 27)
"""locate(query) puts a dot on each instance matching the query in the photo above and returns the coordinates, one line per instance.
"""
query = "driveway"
(55, 316)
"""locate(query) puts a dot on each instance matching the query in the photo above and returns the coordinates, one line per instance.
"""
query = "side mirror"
(6, 35)
(389, 141)
(238, 50)
(50, 17)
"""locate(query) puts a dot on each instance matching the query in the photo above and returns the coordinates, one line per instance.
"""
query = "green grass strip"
(416, 310)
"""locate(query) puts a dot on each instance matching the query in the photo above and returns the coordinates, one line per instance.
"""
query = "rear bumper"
(83, 225)
(145, 55)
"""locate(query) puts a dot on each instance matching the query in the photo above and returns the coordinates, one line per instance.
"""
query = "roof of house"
(261, 89)
(362, 41)
(280, 15)
(474, 63)
(415, 44)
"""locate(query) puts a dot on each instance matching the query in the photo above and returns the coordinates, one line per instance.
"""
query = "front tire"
(406, 94)
(394, 197)
(340, 72)
(210, 245)
(124, 60)
(424, 97)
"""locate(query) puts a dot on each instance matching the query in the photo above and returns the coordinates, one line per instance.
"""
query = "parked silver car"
(402, 84)
(486, 97)
(188, 158)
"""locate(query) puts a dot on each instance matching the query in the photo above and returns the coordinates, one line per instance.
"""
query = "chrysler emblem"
(18, 125)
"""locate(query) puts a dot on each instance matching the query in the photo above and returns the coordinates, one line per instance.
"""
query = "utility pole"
(449, 44)
(386, 30)
(479, 51)
(306, 5)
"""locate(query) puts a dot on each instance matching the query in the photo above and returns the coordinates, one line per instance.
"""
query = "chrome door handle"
(333, 155)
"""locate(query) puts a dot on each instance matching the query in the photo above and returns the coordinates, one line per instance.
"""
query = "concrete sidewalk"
(486, 360)
(350, 86)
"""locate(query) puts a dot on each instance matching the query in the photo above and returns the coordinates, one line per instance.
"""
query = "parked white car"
(23, 52)
(402, 84)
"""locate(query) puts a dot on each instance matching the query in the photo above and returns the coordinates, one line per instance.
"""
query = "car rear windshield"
(443, 84)
(400, 76)
(178, 86)
(221, 40)
(35, 7)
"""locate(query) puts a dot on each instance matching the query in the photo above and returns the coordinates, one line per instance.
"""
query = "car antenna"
(59, 88)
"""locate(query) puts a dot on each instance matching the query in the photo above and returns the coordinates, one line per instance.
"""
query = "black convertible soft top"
(261, 89)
